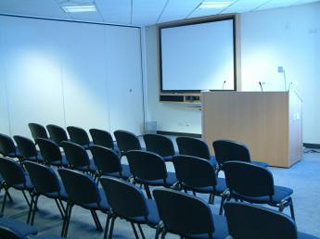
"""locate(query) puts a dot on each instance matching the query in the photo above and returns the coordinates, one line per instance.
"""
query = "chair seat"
(170, 180)
(45, 236)
(302, 235)
(261, 164)
(220, 225)
(125, 172)
(37, 158)
(153, 217)
(92, 167)
(279, 194)
(103, 205)
(22, 229)
(219, 189)
(62, 194)
(27, 186)
(63, 162)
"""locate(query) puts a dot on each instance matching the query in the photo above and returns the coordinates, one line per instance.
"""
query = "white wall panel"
(4, 116)
(83, 63)
(124, 78)
(32, 73)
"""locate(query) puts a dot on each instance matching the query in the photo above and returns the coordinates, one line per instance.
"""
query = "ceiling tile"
(147, 12)
(36, 8)
(244, 6)
(115, 11)
(177, 10)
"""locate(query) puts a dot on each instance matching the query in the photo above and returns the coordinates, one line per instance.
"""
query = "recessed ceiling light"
(207, 5)
(79, 8)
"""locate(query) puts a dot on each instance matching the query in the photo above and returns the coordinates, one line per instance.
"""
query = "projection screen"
(198, 56)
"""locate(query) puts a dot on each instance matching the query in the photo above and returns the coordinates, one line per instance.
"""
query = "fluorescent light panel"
(208, 5)
(79, 8)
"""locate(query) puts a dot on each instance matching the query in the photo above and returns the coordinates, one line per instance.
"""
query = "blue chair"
(149, 169)
(45, 183)
(78, 158)
(14, 177)
(128, 202)
(103, 138)
(126, 141)
(194, 147)
(108, 163)
(28, 149)
(188, 216)
(252, 183)
(79, 136)
(38, 131)
(227, 150)
(51, 153)
(84, 192)
(7, 147)
(159, 144)
(13, 229)
(199, 176)
(57, 134)
(246, 221)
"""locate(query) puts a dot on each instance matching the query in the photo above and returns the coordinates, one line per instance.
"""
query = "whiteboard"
(198, 56)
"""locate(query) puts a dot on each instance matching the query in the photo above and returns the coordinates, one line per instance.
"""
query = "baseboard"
(311, 146)
(179, 134)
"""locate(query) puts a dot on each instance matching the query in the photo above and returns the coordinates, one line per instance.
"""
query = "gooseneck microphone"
(261, 87)
(223, 84)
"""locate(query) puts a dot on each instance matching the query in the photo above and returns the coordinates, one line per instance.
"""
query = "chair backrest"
(106, 160)
(26, 146)
(127, 141)
(249, 221)
(227, 150)
(50, 151)
(192, 146)
(102, 138)
(78, 135)
(248, 179)
(57, 133)
(11, 172)
(159, 144)
(125, 199)
(81, 188)
(6, 145)
(182, 213)
(38, 131)
(146, 165)
(75, 154)
(194, 172)
(7, 233)
(43, 178)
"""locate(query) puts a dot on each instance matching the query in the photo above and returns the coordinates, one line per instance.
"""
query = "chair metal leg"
(148, 191)
(163, 235)
(141, 232)
(292, 210)
(106, 230)
(4, 202)
(112, 226)
(30, 209)
(61, 210)
(224, 196)
(66, 221)
(134, 230)
(25, 197)
(96, 220)
(34, 208)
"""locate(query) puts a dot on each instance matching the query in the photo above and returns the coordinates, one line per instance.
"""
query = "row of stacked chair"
(195, 170)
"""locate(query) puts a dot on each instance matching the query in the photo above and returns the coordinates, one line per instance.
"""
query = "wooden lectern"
(269, 123)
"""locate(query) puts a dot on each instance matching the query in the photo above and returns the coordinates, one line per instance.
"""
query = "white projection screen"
(198, 56)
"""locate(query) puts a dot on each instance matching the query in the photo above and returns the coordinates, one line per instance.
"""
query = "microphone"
(224, 82)
(261, 87)
(281, 70)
